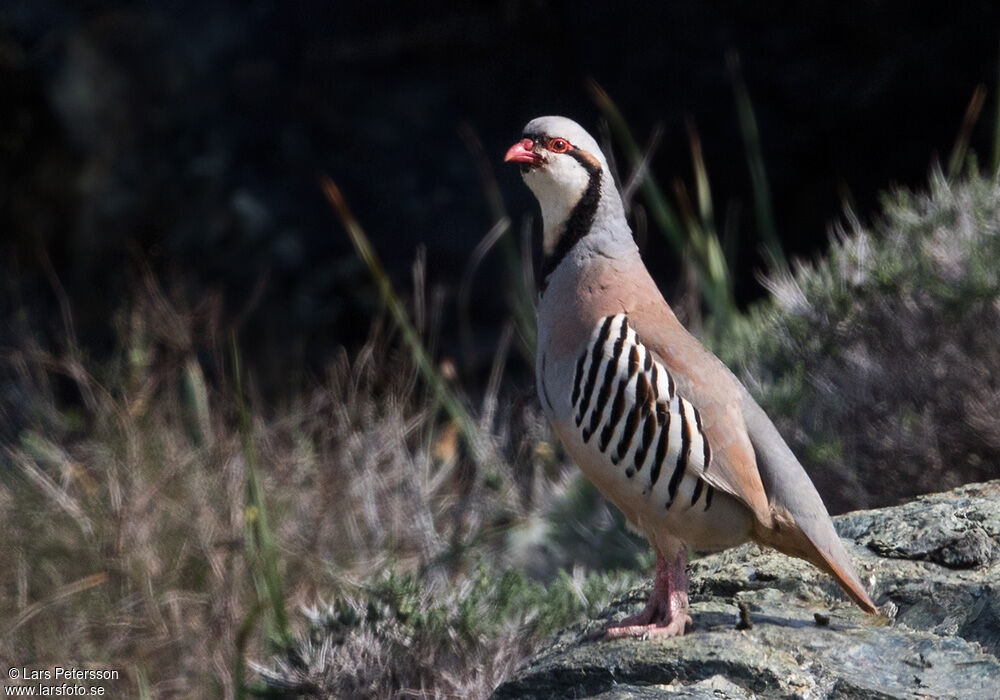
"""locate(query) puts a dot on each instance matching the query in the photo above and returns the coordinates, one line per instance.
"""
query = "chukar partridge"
(663, 429)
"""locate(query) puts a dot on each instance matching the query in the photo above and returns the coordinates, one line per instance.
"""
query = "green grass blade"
(261, 543)
(714, 260)
(142, 684)
(687, 234)
(242, 639)
(660, 209)
(439, 388)
(702, 187)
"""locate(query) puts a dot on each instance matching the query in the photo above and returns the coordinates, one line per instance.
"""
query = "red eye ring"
(558, 145)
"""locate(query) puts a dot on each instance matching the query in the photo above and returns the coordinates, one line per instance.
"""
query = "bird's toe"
(675, 627)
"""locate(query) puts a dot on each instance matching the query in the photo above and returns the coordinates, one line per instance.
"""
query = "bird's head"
(567, 172)
(558, 160)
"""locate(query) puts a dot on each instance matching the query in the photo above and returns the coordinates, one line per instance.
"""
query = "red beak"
(523, 152)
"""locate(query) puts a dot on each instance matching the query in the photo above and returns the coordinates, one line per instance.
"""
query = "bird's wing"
(751, 461)
(704, 381)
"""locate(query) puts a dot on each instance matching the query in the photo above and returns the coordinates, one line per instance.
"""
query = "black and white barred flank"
(626, 402)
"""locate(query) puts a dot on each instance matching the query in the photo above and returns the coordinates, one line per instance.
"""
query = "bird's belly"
(617, 411)
(723, 523)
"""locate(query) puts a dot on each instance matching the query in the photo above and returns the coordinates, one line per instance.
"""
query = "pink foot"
(666, 613)
(675, 628)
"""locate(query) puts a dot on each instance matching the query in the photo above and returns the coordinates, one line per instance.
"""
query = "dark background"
(189, 136)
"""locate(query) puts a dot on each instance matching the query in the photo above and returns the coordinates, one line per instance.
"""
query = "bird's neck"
(597, 217)
(598, 277)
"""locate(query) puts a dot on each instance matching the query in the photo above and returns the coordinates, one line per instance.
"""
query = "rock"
(933, 566)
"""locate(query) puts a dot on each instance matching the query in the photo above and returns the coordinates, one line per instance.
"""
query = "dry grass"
(386, 554)
(129, 529)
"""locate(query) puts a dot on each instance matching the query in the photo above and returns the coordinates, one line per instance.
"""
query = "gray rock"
(932, 565)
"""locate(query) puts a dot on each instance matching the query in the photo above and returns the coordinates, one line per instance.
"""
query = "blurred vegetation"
(165, 525)
(154, 519)
(879, 362)
(406, 637)
(688, 227)
(693, 236)
(391, 530)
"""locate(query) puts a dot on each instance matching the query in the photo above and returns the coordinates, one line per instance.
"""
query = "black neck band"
(579, 222)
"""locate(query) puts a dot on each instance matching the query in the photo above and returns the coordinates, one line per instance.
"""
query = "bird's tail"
(828, 555)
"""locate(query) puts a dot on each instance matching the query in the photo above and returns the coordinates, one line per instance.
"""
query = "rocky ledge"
(932, 565)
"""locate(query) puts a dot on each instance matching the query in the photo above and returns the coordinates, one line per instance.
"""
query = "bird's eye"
(558, 145)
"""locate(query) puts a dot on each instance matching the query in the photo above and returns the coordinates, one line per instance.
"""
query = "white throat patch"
(558, 185)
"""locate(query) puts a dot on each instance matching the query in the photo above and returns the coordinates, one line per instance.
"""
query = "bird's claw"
(633, 628)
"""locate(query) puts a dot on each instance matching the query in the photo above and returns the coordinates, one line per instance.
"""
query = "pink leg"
(665, 615)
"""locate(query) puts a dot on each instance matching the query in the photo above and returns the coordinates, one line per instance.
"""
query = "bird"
(663, 429)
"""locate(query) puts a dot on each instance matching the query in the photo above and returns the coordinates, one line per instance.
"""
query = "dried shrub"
(880, 363)
(124, 508)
